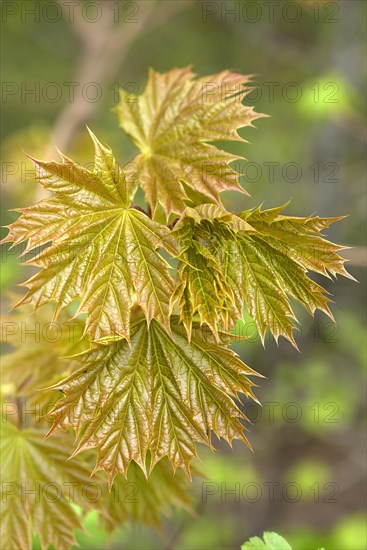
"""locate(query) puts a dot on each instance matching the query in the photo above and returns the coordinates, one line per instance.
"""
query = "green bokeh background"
(308, 57)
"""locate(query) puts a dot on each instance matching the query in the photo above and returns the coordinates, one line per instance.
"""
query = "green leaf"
(98, 249)
(272, 541)
(259, 258)
(161, 394)
(36, 482)
(270, 266)
(172, 122)
(300, 239)
(202, 287)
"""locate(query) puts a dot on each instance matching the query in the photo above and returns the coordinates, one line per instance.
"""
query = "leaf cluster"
(162, 285)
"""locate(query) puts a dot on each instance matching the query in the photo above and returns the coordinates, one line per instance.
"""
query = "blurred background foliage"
(306, 476)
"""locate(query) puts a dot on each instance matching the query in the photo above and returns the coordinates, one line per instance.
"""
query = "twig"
(104, 49)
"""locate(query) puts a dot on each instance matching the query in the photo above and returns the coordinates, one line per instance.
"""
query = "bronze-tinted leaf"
(161, 394)
(172, 123)
(95, 247)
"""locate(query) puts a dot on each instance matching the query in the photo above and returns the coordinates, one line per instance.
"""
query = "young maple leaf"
(172, 122)
(161, 394)
(270, 266)
(202, 287)
(99, 248)
(259, 258)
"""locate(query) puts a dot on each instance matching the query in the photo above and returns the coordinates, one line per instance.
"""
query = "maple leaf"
(202, 287)
(269, 265)
(172, 122)
(259, 258)
(99, 248)
(272, 541)
(161, 394)
(36, 480)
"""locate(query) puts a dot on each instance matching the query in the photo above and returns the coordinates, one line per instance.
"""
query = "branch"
(105, 47)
